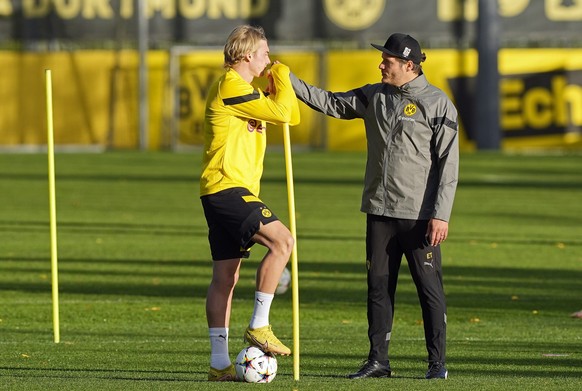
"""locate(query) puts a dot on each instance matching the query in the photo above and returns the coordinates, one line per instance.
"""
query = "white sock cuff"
(216, 331)
(263, 295)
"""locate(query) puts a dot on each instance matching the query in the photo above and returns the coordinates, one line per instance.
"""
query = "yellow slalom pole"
(52, 206)
(294, 268)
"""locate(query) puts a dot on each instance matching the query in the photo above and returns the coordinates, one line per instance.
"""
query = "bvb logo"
(354, 14)
(410, 109)
(266, 213)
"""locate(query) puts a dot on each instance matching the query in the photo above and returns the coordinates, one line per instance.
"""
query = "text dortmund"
(168, 9)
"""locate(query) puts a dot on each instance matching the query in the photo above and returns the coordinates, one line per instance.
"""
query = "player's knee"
(288, 244)
(226, 281)
(284, 246)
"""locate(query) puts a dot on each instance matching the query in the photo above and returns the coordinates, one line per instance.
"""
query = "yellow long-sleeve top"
(235, 135)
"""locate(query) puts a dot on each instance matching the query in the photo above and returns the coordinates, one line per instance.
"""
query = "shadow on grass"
(530, 363)
(316, 235)
(109, 374)
(466, 287)
(107, 228)
(511, 183)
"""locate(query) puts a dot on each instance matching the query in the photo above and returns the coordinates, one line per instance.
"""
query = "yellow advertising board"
(95, 95)
(540, 94)
(541, 98)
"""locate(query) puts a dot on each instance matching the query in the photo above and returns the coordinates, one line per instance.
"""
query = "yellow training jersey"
(235, 136)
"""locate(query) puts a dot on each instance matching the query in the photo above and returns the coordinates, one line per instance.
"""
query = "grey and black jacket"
(413, 151)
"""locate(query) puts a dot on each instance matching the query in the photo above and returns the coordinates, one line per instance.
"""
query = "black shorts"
(234, 216)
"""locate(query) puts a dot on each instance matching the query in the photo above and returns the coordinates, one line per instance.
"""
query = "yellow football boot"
(264, 339)
(226, 374)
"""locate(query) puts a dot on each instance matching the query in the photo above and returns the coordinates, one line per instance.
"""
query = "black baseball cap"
(402, 46)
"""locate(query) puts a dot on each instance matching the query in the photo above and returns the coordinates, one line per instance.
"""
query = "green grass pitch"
(134, 267)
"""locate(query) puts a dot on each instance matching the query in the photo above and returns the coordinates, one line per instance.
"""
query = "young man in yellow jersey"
(234, 148)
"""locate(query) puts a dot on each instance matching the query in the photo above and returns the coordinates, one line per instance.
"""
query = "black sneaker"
(372, 368)
(437, 370)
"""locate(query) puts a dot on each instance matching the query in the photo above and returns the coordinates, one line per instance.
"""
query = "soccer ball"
(284, 282)
(254, 366)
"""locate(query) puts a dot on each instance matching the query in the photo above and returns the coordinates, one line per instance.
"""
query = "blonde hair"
(241, 41)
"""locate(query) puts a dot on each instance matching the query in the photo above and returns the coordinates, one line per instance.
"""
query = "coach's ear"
(409, 65)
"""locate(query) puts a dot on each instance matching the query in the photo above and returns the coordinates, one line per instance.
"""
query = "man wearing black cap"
(409, 187)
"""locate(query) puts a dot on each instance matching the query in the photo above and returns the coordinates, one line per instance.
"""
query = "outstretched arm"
(343, 105)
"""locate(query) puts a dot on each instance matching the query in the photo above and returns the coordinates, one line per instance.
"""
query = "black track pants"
(387, 240)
